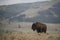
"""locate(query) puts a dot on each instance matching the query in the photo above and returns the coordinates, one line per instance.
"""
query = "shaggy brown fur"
(39, 27)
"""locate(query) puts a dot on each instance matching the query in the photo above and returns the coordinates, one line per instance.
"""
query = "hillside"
(29, 12)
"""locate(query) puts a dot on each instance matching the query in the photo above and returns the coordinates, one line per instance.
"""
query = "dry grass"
(27, 36)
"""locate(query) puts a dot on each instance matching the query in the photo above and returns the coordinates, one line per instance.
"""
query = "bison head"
(34, 27)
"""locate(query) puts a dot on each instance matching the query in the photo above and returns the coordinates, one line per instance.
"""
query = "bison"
(39, 27)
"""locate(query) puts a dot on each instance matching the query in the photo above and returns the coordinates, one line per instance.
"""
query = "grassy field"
(14, 32)
(28, 36)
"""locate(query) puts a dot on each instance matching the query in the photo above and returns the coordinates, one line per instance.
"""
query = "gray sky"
(7, 2)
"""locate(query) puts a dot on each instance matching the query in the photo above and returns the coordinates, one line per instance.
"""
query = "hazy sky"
(6, 2)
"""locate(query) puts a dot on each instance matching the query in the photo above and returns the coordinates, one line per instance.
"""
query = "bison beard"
(39, 27)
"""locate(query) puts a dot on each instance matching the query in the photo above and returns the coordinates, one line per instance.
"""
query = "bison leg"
(39, 30)
(43, 30)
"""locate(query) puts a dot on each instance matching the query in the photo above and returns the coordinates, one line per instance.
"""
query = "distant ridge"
(29, 12)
